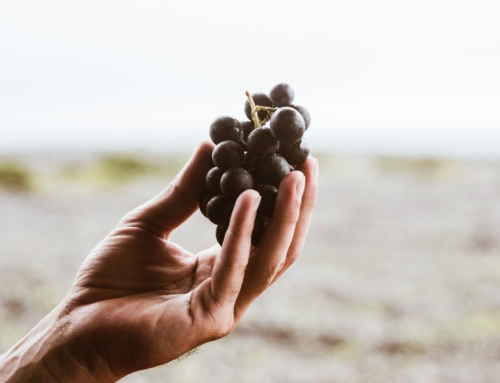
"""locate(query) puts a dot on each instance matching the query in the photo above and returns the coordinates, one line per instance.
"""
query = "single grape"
(205, 197)
(219, 209)
(226, 128)
(282, 95)
(259, 227)
(287, 125)
(227, 155)
(261, 142)
(248, 127)
(235, 181)
(213, 179)
(271, 170)
(304, 113)
(220, 233)
(268, 194)
(260, 99)
(295, 153)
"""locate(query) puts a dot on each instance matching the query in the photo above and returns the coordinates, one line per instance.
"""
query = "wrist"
(48, 354)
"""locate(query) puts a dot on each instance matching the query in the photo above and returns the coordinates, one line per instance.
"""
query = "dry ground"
(399, 280)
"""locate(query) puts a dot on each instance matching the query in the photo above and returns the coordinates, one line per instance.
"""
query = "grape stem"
(255, 117)
(266, 120)
(258, 108)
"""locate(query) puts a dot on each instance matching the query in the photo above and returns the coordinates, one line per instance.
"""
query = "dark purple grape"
(219, 209)
(295, 153)
(282, 95)
(248, 127)
(213, 179)
(205, 197)
(251, 162)
(268, 194)
(259, 227)
(248, 157)
(304, 113)
(220, 233)
(226, 128)
(261, 142)
(227, 155)
(287, 125)
(260, 99)
(271, 170)
(235, 181)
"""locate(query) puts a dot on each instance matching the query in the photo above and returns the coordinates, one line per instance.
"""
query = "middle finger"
(268, 258)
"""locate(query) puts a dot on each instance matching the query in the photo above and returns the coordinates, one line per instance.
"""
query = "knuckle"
(128, 219)
(292, 257)
(292, 217)
(270, 275)
(236, 266)
(239, 231)
(223, 329)
(312, 202)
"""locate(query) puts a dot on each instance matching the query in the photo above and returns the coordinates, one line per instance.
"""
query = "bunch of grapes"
(252, 155)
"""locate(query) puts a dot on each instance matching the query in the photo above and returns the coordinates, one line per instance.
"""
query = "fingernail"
(316, 169)
(299, 188)
(256, 203)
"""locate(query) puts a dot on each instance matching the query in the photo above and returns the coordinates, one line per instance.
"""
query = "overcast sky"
(378, 76)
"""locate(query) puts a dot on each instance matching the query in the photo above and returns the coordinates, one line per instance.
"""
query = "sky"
(386, 77)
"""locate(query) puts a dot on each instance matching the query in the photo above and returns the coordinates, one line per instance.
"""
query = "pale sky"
(377, 76)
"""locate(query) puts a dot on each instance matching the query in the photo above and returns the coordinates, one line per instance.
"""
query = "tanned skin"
(140, 300)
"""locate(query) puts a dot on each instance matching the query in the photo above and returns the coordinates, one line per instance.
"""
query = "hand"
(139, 300)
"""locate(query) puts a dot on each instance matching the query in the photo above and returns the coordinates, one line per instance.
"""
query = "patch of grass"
(476, 325)
(123, 166)
(15, 177)
(423, 166)
(120, 168)
(401, 348)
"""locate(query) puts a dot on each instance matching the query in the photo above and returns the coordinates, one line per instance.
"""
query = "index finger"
(268, 258)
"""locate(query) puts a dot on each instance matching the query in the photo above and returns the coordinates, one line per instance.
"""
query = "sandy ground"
(399, 280)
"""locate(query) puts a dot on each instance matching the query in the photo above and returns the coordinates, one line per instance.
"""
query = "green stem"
(258, 108)
(255, 117)
(270, 112)
(266, 120)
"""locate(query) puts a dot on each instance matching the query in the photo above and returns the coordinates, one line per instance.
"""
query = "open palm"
(140, 300)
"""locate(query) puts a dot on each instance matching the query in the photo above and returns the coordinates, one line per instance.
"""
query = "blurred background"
(101, 103)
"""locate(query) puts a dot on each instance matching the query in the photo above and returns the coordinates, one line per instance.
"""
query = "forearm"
(48, 354)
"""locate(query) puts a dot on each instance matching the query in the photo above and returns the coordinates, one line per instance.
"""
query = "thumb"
(171, 207)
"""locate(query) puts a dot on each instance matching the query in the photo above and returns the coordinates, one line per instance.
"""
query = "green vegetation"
(475, 325)
(423, 166)
(13, 176)
(120, 168)
(123, 166)
(128, 166)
